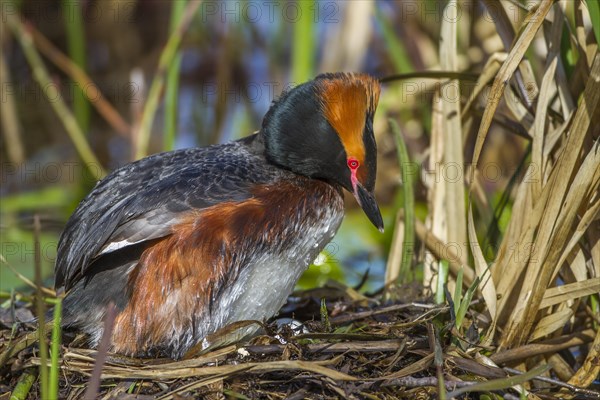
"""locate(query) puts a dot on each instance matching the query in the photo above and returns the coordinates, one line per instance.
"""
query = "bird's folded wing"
(143, 200)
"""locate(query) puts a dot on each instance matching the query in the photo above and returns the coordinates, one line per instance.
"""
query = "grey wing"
(143, 200)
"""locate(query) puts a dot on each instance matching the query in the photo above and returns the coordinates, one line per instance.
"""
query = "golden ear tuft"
(347, 99)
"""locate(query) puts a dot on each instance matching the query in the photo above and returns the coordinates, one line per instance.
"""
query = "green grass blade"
(171, 104)
(442, 278)
(40, 307)
(166, 58)
(396, 49)
(303, 51)
(76, 44)
(594, 9)
(43, 79)
(53, 378)
(458, 291)
(464, 304)
(23, 386)
(172, 86)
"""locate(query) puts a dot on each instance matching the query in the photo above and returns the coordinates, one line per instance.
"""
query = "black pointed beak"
(369, 205)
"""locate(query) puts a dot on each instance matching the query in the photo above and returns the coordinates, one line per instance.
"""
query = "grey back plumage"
(143, 200)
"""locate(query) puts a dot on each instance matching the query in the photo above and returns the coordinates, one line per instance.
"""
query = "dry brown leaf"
(560, 211)
(594, 238)
(521, 211)
(446, 196)
(571, 291)
(519, 111)
(577, 271)
(506, 71)
(436, 219)
(551, 323)
(587, 47)
(453, 160)
(392, 269)
(553, 136)
(585, 223)
(514, 257)
(562, 82)
(444, 251)
(489, 72)
(413, 368)
(590, 370)
(486, 285)
(157, 372)
(192, 386)
(547, 92)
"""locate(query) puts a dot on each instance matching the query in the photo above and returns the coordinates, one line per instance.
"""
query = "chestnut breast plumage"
(184, 243)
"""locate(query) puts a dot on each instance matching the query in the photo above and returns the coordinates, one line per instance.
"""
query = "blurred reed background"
(520, 231)
(232, 61)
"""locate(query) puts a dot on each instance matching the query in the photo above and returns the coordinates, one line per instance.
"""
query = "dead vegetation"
(359, 349)
(517, 305)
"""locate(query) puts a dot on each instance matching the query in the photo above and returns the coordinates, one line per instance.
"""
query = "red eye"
(353, 163)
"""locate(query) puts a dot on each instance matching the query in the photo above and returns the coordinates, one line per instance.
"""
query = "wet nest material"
(327, 343)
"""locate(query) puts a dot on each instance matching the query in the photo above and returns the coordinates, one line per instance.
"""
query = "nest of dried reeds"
(339, 346)
(515, 311)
